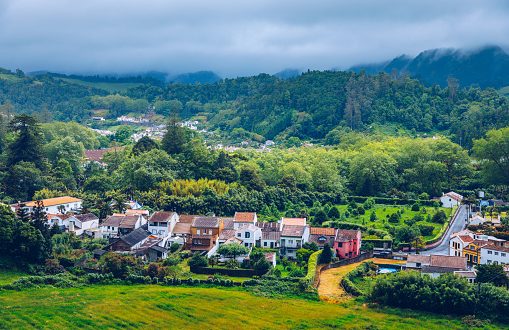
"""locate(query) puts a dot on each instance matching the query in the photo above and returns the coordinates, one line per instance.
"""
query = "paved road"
(458, 224)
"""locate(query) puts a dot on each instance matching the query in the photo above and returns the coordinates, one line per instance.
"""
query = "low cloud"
(236, 37)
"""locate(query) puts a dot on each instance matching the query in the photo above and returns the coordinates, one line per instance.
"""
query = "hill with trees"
(485, 67)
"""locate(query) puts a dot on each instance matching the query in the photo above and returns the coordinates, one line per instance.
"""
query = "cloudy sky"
(236, 37)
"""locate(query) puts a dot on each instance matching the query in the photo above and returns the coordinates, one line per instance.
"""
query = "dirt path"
(331, 291)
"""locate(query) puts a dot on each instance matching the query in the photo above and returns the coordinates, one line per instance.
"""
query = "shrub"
(262, 265)
(52, 267)
(117, 264)
(296, 272)
(439, 217)
(415, 207)
(425, 230)
(174, 247)
(198, 260)
(326, 255)
(172, 260)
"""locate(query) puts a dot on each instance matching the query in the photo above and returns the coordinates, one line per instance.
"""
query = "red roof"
(345, 235)
(322, 231)
(98, 154)
(244, 217)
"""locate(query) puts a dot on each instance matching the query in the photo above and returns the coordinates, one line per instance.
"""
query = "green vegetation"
(111, 87)
(191, 307)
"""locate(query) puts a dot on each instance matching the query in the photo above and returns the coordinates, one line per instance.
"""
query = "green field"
(8, 276)
(383, 211)
(119, 307)
(111, 87)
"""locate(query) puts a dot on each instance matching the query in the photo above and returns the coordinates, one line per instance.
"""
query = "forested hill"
(485, 67)
(312, 105)
(317, 104)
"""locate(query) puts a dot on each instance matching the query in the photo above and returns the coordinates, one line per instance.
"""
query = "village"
(151, 237)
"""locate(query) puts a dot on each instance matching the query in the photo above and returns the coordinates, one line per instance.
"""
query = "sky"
(236, 37)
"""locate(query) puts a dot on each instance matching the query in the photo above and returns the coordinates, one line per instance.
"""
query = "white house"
(476, 220)
(120, 224)
(161, 223)
(451, 199)
(60, 220)
(249, 234)
(495, 254)
(81, 223)
(243, 218)
(459, 241)
(294, 233)
(57, 205)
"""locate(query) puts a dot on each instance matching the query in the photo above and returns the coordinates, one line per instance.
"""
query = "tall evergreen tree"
(175, 138)
(39, 219)
(27, 143)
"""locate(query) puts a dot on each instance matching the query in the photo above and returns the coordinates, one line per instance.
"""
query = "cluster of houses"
(478, 248)
(140, 233)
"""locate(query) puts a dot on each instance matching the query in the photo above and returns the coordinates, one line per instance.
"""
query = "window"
(490, 252)
(246, 245)
(247, 234)
(264, 243)
(198, 232)
(239, 234)
(502, 254)
(496, 253)
(290, 241)
(340, 244)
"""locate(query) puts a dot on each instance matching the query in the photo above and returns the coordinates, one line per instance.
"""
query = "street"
(458, 224)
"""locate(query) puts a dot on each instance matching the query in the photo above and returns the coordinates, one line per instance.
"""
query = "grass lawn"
(384, 211)
(111, 87)
(8, 276)
(185, 267)
(156, 307)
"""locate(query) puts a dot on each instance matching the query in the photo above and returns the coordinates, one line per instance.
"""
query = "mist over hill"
(485, 67)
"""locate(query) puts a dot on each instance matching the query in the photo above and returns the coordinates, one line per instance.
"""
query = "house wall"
(349, 249)
(497, 257)
(456, 247)
(449, 202)
(55, 209)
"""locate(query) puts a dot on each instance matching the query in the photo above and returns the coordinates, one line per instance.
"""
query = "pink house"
(347, 243)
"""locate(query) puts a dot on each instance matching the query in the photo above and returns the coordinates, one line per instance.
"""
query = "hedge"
(227, 271)
(361, 271)
(312, 263)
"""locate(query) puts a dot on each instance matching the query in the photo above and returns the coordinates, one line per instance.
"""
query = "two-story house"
(120, 224)
(205, 233)
(162, 223)
(57, 205)
(347, 243)
(294, 233)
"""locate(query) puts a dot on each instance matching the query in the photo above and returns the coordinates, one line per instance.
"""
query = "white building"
(57, 205)
(451, 199)
(162, 223)
(81, 223)
(494, 254)
(249, 234)
(294, 233)
(118, 225)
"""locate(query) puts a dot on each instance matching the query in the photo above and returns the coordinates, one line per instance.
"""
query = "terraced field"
(156, 307)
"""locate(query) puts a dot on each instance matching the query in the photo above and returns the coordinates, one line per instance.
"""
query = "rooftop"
(293, 231)
(182, 228)
(206, 222)
(161, 216)
(86, 217)
(449, 262)
(244, 217)
(55, 201)
(187, 218)
(271, 235)
(322, 231)
(454, 196)
(345, 235)
(293, 221)
(135, 237)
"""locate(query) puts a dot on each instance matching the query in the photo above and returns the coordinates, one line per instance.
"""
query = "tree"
(143, 145)
(232, 250)
(262, 265)
(310, 246)
(224, 169)
(26, 146)
(372, 216)
(492, 273)
(250, 178)
(320, 216)
(198, 260)
(493, 151)
(123, 134)
(334, 213)
(326, 256)
(39, 219)
(175, 138)
(118, 264)
(303, 255)
(23, 179)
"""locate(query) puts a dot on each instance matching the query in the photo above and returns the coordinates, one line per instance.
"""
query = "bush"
(172, 260)
(198, 260)
(326, 255)
(415, 207)
(117, 264)
(425, 230)
(174, 247)
(262, 265)
(439, 217)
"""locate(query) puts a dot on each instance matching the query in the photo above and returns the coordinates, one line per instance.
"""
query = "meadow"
(142, 306)
(383, 212)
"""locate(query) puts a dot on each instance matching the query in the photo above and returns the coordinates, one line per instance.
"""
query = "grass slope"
(384, 211)
(119, 307)
(111, 87)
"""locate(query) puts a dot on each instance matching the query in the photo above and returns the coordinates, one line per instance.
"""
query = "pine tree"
(39, 219)
(27, 143)
(326, 255)
(22, 213)
(175, 138)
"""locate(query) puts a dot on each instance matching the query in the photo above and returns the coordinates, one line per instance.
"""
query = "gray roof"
(159, 248)
(271, 235)
(206, 222)
(135, 237)
(86, 217)
(293, 231)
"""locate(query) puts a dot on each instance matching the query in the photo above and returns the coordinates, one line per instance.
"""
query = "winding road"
(458, 224)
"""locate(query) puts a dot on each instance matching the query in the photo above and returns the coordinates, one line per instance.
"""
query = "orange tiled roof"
(322, 231)
(55, 201)
(244, 216)
(294, 221)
